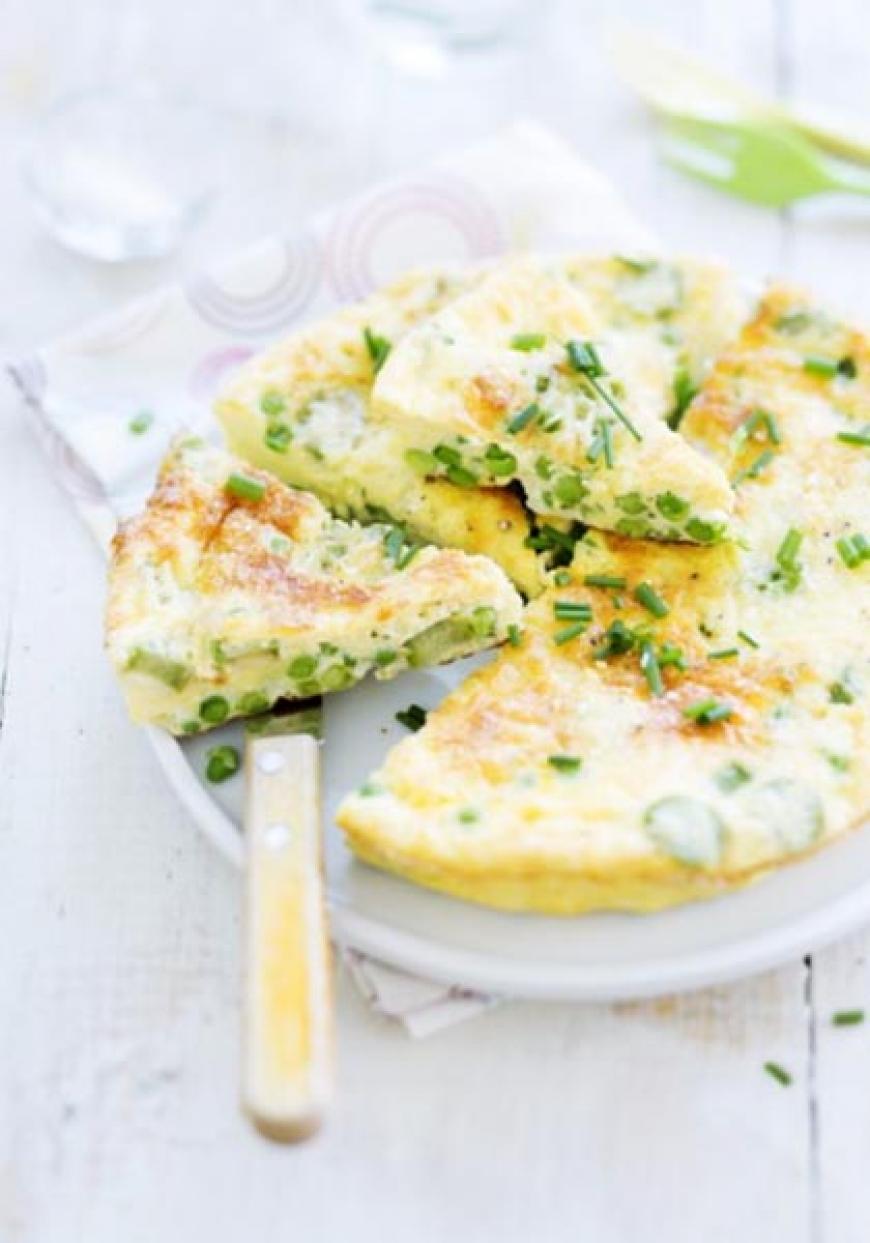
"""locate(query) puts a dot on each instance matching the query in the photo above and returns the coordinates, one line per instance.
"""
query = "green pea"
(704, 532)
(214, 709)
(483, 621)
(309, 689)
(386, 656)
(278, 437)
(221, 763)
(569, 489)
(252, 703)
(671, 506)
(630, 503)
(302, 667)
(634, 528)
(191, 727)
(336, 678)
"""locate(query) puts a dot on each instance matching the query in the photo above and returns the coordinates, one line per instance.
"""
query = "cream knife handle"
(287, 1026)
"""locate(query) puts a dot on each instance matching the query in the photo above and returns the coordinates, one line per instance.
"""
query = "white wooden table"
(118, 923)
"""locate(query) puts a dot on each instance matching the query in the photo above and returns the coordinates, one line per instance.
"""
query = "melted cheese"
(220, 605)
(773, 632)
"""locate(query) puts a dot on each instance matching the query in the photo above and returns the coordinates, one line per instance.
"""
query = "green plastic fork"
(757, 160)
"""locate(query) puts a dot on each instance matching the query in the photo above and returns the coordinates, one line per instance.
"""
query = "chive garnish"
(571, 632)
(777, 1072)
(724, 653)
(861, 439)
(244, 487)
(583, 357)
(747, 638)
(278, 436)
(789, 568)
(562, 578)
(669, 655)
(461, 477)
(378, 348)
(524, 418)
(565, 763)
(618, 640)
(754, 469)
(605, 580)
(468, 815)
(272, 403)
(514, 635)
(751, 424)
(527, 341)
(707, 711)
(685, 391)
(650, 668)
(498, 461)
(413, 717)
(853, 550)
(847, 1018)
(140, 422)
(651, 600)
(824, 368)
(847, 367)
(840, 693)
(602, 442)
(572, 610)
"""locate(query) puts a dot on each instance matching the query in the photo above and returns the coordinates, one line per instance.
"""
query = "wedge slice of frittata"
(232, 590)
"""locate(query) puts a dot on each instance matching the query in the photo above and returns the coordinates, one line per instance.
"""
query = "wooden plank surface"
(119, 996)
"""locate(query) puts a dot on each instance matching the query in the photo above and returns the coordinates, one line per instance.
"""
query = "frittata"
(232, 590)
(515, 382)
(675, 721)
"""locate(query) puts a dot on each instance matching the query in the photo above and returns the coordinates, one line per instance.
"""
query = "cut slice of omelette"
(675, 721)
(232, 590)
(515, 381)
(301, 410)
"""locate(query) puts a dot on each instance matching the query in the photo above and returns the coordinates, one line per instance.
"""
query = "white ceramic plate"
(592, 957)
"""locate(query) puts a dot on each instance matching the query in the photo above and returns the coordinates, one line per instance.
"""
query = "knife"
(287, 1038)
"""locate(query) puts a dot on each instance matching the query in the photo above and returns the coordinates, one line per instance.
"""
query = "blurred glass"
(121, 174)
(420, 37)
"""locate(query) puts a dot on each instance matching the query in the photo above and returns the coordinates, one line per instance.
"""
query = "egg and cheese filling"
(231, 591)
(515, 381)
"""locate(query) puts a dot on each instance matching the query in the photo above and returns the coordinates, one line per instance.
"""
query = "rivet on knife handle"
(287, 1054)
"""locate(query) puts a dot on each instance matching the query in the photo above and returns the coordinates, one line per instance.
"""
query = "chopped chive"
(562, 578)
(140, 422)
(468, 815)
(669, 655)
(447, 455)
(221, 763)
(413, 717)
(394, 542)
(514, 635)
(571, 632)
(751, 424)
(862, 438)
(407, 555)
(789, 568)
(524, 418)
(602, 442)
(825, 368)
(583, 357)
(247, 489)
(528, 341)
(384, 657)
(724, 653)
(651, 600)
(777, 1072)
(707, 711)
(754, 469)
(685, 391)
(378, 348)
(847, 367)
(847, 1018)
(650, 668)
(605, 580)
(618, 640)
(747, 638)
(853, 550)
(732, 776)
(572, 610)
(565, 763)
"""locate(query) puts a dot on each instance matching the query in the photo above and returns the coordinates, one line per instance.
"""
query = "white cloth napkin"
(522, 189)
